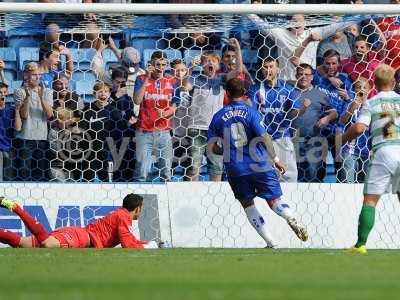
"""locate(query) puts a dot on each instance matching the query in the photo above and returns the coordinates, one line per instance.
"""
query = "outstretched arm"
(329, 30)
(126, 236)
(353, 132)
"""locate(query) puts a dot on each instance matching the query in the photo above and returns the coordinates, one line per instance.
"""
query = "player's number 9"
(238, 134)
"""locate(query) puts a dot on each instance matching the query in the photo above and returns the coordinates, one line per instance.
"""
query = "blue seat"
(83, 58)
(10, 75)
(26, 55)
(83, 83)
(250, 58)
(14, 85)
(24, 41)
(109, 57)
(143, 43)
(171, 55)
(9, 57)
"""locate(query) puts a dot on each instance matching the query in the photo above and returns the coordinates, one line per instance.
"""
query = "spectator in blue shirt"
(49, 65)
(339, 87)
(355, 154)
(6, 133)
(276, 100)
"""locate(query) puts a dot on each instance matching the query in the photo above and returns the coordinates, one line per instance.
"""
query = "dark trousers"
(32, 160)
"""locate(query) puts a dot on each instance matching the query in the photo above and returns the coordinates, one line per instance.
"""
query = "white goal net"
(76, 135)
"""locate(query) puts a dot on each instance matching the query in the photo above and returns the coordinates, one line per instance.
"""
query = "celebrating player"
(107, 232)
(246, 147)
(382, 114)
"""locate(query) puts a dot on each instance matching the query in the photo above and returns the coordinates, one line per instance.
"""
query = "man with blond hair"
(33, 109)
(382, 115)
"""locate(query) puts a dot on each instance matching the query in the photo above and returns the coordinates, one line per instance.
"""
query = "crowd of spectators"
(147, 120)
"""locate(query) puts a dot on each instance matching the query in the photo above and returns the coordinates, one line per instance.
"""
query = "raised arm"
(296, 113)
(140, 86)
(114, 48)
(329, 30)
(353, 132)
(69, 68)
(21, 98)
(262, 25)
(360, 126)
(313, 37)
(98, 65)
(346, 117)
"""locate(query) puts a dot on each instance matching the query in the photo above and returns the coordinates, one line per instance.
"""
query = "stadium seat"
(171, 55)
(15, 84)
(26, 55)
(250, 58)
(109, 57)
(83, 83)
(143, 43)
(9, 57)
(83, 58)
(10, 75)
(24, 41)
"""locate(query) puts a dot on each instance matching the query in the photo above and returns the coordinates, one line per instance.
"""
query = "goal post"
(93, 151)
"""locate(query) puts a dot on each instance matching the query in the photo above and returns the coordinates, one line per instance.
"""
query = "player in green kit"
(382, 115)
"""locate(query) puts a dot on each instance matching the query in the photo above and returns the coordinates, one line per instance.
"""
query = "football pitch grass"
(191, 274)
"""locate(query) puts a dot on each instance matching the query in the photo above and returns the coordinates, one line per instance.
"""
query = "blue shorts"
(264, 185)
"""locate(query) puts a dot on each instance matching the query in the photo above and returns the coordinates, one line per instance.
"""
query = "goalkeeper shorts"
(72, 237)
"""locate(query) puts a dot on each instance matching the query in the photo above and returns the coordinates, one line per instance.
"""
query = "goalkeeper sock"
(9, 238)
(35, 227)
(257, 221)
(281, 208)
(366, 221)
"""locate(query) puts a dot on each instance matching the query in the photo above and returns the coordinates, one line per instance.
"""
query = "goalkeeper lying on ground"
(107, 232)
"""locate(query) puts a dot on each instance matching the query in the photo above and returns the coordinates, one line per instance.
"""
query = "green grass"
(191, 274)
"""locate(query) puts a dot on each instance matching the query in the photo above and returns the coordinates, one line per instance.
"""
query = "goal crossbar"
(146, 8)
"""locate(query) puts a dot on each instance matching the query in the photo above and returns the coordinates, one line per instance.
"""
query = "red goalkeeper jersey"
(113, 229)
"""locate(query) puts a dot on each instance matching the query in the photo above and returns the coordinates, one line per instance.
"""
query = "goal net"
(82, 125)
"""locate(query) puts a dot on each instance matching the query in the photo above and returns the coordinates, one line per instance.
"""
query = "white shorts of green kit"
(384, 171)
